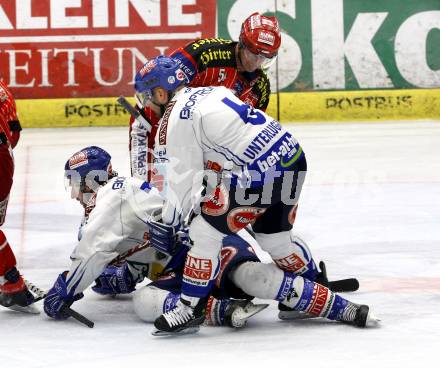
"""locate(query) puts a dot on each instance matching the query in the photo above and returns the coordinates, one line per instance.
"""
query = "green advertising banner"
(348, 44)
(339, 59)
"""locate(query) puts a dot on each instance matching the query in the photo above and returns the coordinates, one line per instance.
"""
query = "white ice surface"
(370, 208)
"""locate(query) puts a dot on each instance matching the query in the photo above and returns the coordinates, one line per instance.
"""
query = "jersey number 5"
(221, 75)
(246, 112)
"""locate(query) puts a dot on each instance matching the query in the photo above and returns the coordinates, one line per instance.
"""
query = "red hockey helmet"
(261, 35)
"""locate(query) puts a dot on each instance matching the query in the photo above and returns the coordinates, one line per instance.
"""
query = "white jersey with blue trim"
(117, 224)
(208, 127)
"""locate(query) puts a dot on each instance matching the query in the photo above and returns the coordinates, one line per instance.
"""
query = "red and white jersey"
(213, 62)
(206, 62)
(142, 143)
(8, 115)
(8, 140)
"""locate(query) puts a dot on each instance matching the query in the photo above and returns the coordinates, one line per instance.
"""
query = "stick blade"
(345, 285)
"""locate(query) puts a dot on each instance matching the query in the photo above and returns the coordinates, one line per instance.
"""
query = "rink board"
(369, 105)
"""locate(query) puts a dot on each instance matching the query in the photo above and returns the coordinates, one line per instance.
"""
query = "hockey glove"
(163, 237)
(58, 299)
(115, 280)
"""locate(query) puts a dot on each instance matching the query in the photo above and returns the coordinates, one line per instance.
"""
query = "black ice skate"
(182, 319)
(360, 316)
(20, 302)
(15, 295)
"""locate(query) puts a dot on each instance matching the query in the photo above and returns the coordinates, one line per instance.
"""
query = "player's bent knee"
(258, 279)
(148, 302)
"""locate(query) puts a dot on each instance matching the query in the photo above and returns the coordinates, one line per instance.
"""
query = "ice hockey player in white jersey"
(113, 247)
(116, 212)
(251, 168)
(243, 276)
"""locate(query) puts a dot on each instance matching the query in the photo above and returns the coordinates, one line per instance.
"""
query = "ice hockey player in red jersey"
(238, 66)
(235, 65)
(13, 291)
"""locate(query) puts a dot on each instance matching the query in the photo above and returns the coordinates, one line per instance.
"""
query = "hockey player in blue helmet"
(157, 81)
(117, 224)
(116, 212)
(190, 143)
(116, 227)
(86, 170)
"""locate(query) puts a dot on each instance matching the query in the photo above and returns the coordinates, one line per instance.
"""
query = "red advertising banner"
(92, 48)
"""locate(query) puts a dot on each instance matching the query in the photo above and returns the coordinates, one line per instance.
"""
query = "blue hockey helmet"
(162, 71)
(91, 166)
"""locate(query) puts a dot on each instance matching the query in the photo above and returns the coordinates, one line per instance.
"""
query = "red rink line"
(402, 284)
(22, 245)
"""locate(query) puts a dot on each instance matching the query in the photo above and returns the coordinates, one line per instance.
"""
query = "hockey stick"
(338, 286)
(344, 285)
(41, 294)
(117, 261)
(133, 112)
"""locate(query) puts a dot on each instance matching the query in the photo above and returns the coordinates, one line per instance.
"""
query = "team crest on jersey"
(241, 217)
(78, 160)
(267, 38)
(217, 203)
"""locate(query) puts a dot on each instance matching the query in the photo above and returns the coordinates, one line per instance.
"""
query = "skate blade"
(372, 320)
(294, 315)
(186, 331)
(253, 309)
(30, 309)
(241, 315)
